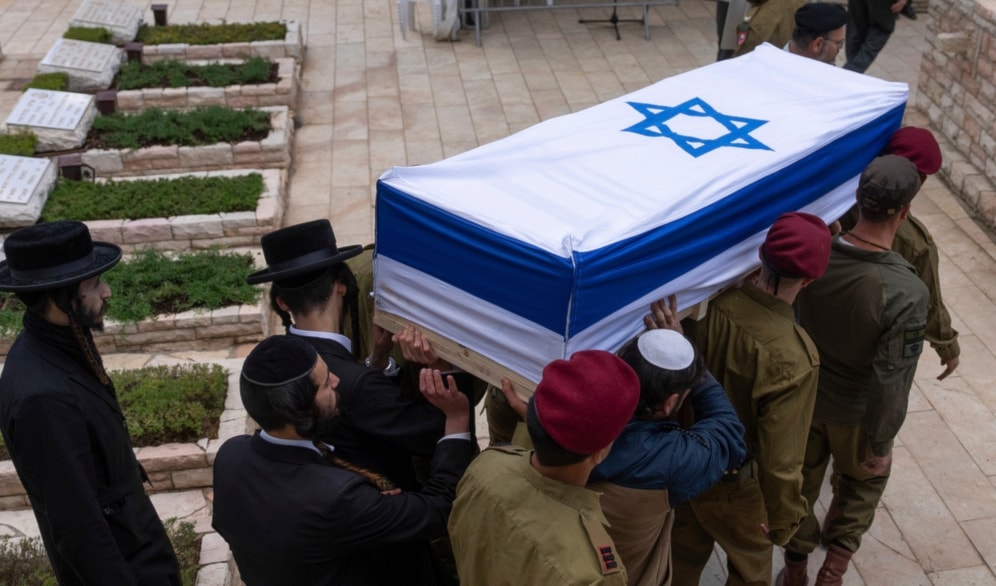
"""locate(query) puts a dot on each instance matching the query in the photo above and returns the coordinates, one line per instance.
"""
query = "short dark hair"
(656, 383)
(803, 37)
(548, 451)
(274, 407)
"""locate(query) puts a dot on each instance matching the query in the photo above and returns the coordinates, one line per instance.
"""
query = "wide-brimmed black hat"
(52, 255)
(300, 249)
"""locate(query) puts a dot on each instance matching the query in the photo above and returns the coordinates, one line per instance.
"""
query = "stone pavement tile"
(968, 419)
(917, 401)
(976, 309)
(309, 184)
(384, 113)
(387, 149)
(382, 82)
(520, 116)
(945, 461)
(350, 122)
(420, 122)
(455, 124)
(423, 152)
(925, 522)
(576, 88)
(447, 89)
(181, 505)
(982, 532)
(415, 88)
(975, 576)
(453, 149)
(312, 144)
(885, 557)
(350, 84)
(511, 88)
(350, 212)
(315, 107)
(350, 164)
(306, 213)
(550, 103)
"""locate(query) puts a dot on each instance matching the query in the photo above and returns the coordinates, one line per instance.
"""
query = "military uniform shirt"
(512, 525)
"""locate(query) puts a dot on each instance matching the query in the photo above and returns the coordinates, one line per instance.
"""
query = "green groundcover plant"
(23, 561)
(201, 126)
(210, 34)
(21, 144)
(151, 283)
(155, 198)
(56, 81)
(168, 404)
(89, 34)
(174, 74)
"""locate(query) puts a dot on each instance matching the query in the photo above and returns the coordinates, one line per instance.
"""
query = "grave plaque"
(25, 183)
(91, 66)
(121, 20)
(60, 120)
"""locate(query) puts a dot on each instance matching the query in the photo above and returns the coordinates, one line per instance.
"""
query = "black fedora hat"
(300, 249)
(52, 255)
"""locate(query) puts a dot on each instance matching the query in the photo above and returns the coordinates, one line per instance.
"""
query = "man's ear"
(281, 304)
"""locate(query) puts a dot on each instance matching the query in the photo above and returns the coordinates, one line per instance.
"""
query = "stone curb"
(282, 93)
(292, 46)
(274, 151)
(182, 233)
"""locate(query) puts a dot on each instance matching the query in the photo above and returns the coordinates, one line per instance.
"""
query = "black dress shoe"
(908, 10)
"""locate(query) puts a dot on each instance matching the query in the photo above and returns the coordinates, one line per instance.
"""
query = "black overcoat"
(69, 443)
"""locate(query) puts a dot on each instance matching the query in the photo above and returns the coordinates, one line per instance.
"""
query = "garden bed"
(290, 46)
(270, 152)
(200, 231)
(281, 93)
(177, 466)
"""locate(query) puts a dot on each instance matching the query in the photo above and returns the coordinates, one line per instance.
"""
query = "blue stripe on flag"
(537, 285)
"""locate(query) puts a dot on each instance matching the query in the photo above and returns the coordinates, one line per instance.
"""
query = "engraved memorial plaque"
(48, 109)
(19, 177)
(91, 66)
(121, 20)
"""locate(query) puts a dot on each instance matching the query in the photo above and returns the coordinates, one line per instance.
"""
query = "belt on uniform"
(745, 471)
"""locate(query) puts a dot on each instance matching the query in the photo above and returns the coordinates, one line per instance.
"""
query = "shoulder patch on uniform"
(608, 557)
(913, 341)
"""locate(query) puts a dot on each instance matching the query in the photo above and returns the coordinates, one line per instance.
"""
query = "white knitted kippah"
(666, 349)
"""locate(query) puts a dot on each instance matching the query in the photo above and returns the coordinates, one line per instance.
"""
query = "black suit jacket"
(69, 443)
(379, 430)
(292, 518)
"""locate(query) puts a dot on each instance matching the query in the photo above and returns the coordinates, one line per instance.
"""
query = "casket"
(557, 238)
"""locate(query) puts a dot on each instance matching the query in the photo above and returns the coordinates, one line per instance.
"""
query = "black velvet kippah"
(279, 360)
(820, 17)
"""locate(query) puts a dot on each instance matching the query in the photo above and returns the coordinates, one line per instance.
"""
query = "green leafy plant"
(155, 198)
(152, 283)
(200, 126)
(21, 143)
(11, 310)
(135, 75)
(89, 34)
(166, 404)
(23, 562)
(56, 81)
(210, 34)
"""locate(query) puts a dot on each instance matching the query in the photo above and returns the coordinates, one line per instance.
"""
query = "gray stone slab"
(25, 183)
(91, 66)
(121, 20)
(60, 120)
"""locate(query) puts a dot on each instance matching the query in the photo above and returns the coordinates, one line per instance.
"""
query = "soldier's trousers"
(856, 491)
(730, 514)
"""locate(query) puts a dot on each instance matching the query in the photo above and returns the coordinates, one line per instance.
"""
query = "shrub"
(21, 144)
(166, 404)
(156, 198)
(210, 34)
(11, 310)
(56, 81)
(23, 562)
(89, 34)
(196, 127)
(171, 74)
(152, 283)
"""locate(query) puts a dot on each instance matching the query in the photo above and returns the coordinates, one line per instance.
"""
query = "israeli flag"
(557, 238)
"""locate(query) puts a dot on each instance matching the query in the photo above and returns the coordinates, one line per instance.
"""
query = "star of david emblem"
(737, 128)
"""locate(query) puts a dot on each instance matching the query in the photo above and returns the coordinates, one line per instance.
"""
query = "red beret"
(917, 145)
(797, 246)
(584, 402)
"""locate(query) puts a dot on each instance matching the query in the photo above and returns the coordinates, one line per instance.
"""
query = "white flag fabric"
(557, 238)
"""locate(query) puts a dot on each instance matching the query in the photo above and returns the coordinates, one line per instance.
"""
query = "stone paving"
(371, 99)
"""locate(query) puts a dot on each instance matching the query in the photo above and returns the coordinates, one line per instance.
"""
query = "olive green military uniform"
(771, 21)
(914, 242)
(769, 367)
(867, 316)
(512, 525)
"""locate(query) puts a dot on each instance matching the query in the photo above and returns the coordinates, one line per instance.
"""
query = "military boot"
(794, 573)
(834, 566)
